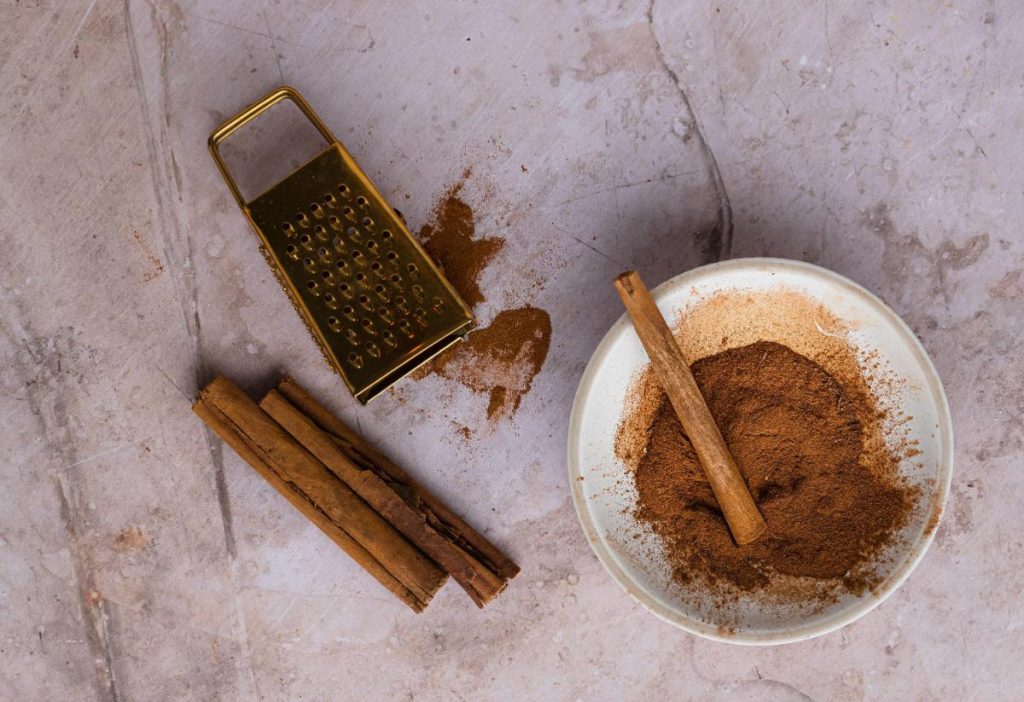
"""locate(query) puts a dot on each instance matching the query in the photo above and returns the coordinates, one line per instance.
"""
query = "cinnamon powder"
(807, 443)
(449, 239)
(501, 359)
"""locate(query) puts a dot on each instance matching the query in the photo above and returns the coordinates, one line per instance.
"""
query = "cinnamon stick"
(316, 492)
(673, 374)
(475, 563)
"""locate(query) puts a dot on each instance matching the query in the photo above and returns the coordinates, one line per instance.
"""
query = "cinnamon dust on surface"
(808, 436)
(449, 239)
(501, 359)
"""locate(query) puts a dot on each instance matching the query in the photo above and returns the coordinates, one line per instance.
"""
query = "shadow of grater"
(373, 300)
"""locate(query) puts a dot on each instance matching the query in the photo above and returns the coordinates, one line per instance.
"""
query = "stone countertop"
(141, 560)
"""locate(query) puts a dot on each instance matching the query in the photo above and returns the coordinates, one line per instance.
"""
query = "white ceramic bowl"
(602, 491)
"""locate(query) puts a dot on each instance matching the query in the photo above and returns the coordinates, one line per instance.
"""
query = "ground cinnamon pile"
(501, 359)
(449, 239)
(806, 443)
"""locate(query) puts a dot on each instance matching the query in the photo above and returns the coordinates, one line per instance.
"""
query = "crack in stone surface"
(723, 228)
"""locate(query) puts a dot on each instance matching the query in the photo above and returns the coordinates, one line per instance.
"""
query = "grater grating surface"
(376, 304)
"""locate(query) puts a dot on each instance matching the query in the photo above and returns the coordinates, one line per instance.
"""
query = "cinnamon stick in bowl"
(674, 375)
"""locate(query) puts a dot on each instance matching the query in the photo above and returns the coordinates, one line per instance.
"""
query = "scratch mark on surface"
(96, 456)
(273, 47)
(598, 251)
(81, 23)
(174, 385)
(620, 186)
(724, 226)
(779, 685)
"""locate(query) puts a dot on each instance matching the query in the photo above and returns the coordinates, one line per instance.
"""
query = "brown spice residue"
(131, 539)
(501, 359)
(156, 267)
(795, 433)
(809, 436)
(448, 238)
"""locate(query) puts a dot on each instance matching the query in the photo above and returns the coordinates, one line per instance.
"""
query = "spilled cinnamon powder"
(501, 359)
(449, 239)
(808, 436)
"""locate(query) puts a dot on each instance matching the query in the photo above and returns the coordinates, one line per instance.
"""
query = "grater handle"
(250, 113)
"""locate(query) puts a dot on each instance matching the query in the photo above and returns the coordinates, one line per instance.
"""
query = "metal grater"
(373, 300)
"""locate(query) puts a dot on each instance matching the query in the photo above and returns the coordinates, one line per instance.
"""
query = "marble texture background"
(141, 561)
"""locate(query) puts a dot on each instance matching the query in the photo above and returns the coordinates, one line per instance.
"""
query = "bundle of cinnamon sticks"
(386, 521)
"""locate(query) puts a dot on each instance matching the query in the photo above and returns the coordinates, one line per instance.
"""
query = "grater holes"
(417, 292)
(358, 257)
(413, 270)
(327, 276)
(373, 349)
(364, 301)
(360, 278)
(373, 248)
(354, 234)
(400, 303)
(361, 201)
(331, 301)
(388, 338)
(342, 266)
(368, 327)
(352, 337)
(405, 328)
(356, 360)
(320, 232)
(391, 255)
(349, 312)
(302, 219)
(289, 229)
(381, 293)
(344, 190)
(375, 266)
(338, 244)
(349, 213)
(386, 234)
(420, 316)
(385, 314)
(334, 222)
(330, 200)
(325, 254)
(345, 290)
(313, 287)
(306, 240)
(317, 211)
(309, 264)
(367, 222)
(334, 323)
(292, 250)
(437, 304)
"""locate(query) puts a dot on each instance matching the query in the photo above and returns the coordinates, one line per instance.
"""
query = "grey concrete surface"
(141, 561)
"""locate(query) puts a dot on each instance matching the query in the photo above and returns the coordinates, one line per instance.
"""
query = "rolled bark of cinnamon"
(674, 375)
(475, 563)
(319, 494)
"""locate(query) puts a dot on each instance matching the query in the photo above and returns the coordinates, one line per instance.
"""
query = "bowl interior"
(604, 497)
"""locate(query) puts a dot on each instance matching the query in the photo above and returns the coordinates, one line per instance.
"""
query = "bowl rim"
(871, 599)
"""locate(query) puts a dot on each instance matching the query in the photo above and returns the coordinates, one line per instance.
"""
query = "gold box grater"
(373, 300)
